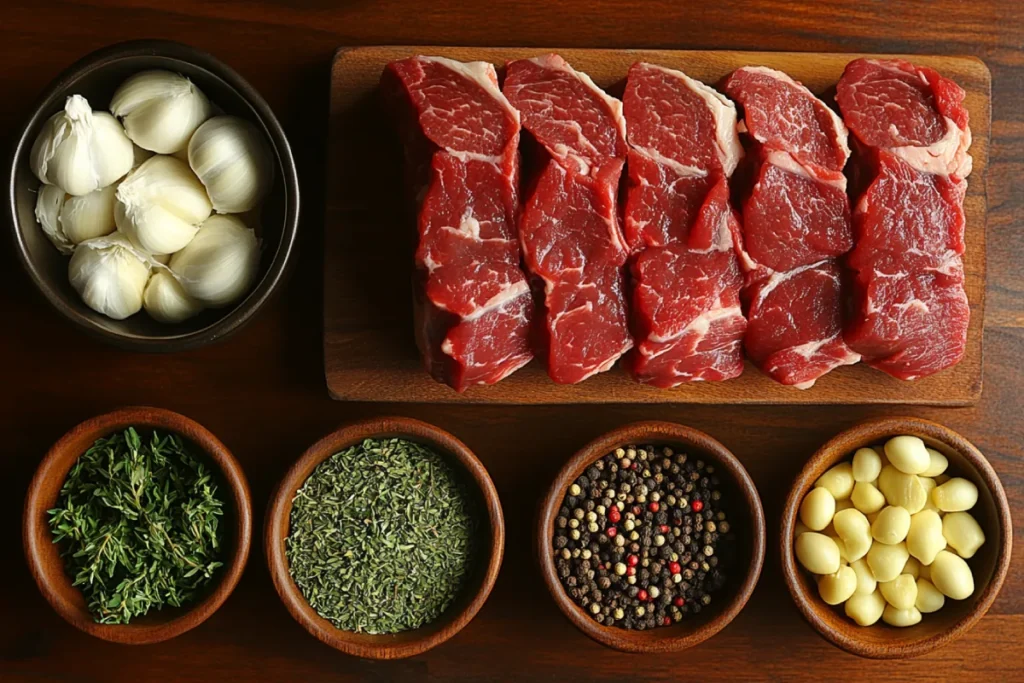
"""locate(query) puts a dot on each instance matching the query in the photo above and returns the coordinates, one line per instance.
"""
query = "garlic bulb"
(160, 205)
(160, 110)
(220, 264)
(89, 216)
(233, 161)
(110, 275)
(49, 203)
(167, 301)
(80, 150)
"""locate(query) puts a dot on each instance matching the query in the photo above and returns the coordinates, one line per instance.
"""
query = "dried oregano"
(138, 522)
(383, 536)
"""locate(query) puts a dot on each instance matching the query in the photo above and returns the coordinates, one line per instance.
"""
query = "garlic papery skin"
(167, 301)
(89, 216)
(110, 275)
(160, 110)
(221, 263)
(233, 161)
(160, 205)
(49, 203)
(80, 150)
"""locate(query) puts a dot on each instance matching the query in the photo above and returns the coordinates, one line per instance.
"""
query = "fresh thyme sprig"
(139, 525)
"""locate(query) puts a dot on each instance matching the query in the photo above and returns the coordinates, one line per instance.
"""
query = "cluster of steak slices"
(735, 235)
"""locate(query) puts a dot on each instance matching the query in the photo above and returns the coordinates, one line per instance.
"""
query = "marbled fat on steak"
(473, 306)
(796, 224)
(571, 238)
(910, 312)
(687, 317)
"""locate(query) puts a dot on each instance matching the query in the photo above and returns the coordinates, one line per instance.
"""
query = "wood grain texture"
(745, 512)
(481, 578)
(368, 328)
(989, 565)
(263, 392)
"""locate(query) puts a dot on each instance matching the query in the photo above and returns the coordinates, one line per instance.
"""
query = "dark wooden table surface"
(263, 391)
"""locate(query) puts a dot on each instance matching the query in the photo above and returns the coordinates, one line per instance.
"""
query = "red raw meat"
(912, 111)
(473, 307)
(783, 308)
(910, 312)
(796, 223)
(687, 318)
(570, 232)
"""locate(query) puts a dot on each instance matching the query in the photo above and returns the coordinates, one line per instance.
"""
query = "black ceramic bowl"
(96, 76)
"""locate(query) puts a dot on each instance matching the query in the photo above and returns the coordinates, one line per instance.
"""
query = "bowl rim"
(279, 514)
(245, 310)
(641, 641)
(864, 433)
(46, 566)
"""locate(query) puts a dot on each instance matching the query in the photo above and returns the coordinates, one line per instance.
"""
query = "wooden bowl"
(746, 516)
(43, 555)
(96, 76)
(989, 565)
(474, 594)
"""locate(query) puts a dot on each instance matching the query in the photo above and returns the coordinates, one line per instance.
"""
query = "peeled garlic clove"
(963, 533)
(866, 465)
(160, 205)
(220, 264)
(49, 203)
(817, 509)
(952, 576)
(901, 617)
(89, 216)
(160, 110)
(167, 301)
(234, 162)
(838, 481)
(956, 495)
(908, 454)
(110, 275)
(80, 150)
(929, 598)
(865, 608)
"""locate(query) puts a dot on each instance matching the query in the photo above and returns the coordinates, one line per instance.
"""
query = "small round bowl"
(44, 558)
(745, 512)
(989, 565)
(96, 76)
(474, 594)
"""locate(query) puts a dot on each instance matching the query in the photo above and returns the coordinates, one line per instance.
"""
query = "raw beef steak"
(796, 223)
(910, 311)
(687, 318)
(794, 333)
(473, 306)
(571, 238)
(908, 110)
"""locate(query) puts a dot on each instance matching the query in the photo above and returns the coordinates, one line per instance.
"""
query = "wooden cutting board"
(369, 352)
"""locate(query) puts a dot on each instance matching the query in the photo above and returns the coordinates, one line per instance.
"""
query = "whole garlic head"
(219, 266)
(80, 150)
(233, 161)
(160, 110)
(110, 275)
(167, 301)
(160, 205)
(49, 203)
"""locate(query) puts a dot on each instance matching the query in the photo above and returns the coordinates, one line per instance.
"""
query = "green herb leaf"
(138, 522)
